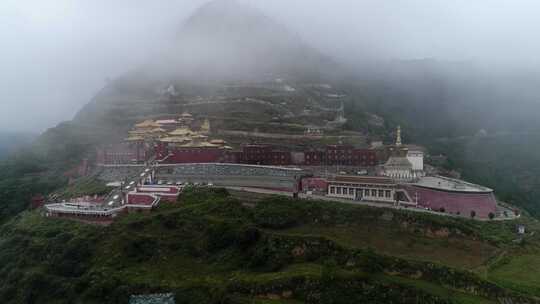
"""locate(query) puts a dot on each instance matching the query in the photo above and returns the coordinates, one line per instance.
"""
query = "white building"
(403, 165)
(416, 158)
(399, 168)
(368, 189)
(377, 189)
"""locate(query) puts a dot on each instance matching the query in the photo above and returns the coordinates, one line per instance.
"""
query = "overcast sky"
(56, 54)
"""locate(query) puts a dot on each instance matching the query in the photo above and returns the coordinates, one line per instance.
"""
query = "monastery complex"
(158, 158)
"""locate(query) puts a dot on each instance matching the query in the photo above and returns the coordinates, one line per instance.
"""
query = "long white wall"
(368, 192)
(237, 175)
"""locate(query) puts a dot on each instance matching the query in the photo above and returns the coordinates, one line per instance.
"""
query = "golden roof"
(158, 130)
(218, 142)
(148, 124)
(166, 121)
(199, 136)
(182, 132)
(203, 144)
(175, 139)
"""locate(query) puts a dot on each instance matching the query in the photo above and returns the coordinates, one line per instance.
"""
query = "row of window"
(361, 192)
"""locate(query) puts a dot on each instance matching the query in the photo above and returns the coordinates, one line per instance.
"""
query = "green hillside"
(214, 247)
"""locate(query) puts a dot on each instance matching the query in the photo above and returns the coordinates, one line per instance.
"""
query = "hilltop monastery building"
(177, 151)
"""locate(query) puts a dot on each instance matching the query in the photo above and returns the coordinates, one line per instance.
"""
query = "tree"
(491, 215)
(442, 209)
(473, 213)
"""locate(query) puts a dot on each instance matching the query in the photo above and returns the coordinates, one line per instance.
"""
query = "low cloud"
(57, 54)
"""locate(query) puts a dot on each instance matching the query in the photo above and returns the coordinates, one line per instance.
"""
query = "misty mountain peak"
(225, 15)
(230, 36)
(230, 22)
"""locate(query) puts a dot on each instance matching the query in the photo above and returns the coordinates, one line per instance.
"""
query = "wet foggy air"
(57, 54)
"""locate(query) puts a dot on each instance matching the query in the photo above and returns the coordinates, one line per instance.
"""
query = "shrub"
(278, 213)
(140, 248)
(194, 195)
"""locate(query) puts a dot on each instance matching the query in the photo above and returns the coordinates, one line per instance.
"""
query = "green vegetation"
(517, 272)
(85, 186)
(211, 247)
(458, 297)
(41, 167)
(21, 178)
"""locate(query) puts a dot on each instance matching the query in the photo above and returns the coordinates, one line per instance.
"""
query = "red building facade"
(341, 155)
(267, 155)
(180, 155)
(314, 158)
(124, 153)
(264, 155)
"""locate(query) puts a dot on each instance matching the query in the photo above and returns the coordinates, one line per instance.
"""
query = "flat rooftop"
(450, 184)
(158, 189)
(362, 179)
(81, 209)
(231, 165)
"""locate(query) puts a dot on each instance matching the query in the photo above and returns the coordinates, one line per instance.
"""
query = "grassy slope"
(84, 186)
(519, 272)
(388, 239)
(22, 177)
(211, 248)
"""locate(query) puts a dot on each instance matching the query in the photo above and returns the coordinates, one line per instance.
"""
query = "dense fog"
(57, 54)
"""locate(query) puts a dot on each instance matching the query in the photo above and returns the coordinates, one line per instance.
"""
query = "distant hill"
(435, 98)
